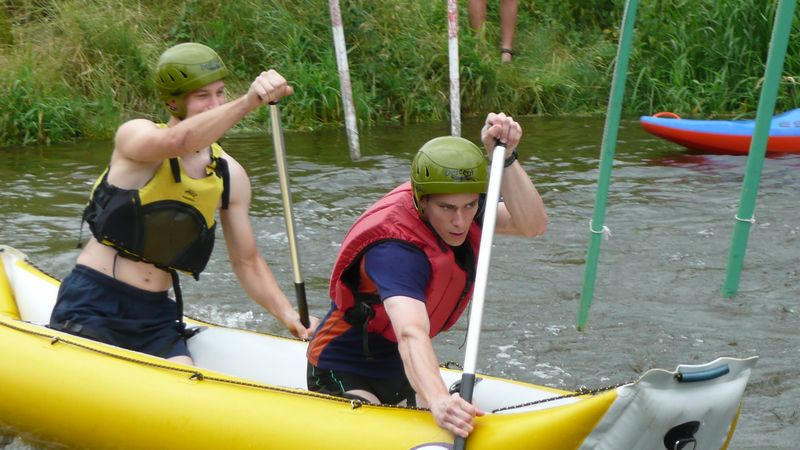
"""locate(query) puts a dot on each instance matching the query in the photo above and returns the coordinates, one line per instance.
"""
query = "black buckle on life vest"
(359, 316)
(187, 332)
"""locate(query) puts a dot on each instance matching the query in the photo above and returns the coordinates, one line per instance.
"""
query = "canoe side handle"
(667, 114)
(703, 375)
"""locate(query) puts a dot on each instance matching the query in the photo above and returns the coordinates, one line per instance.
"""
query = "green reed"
(77, 68)
(707, 57)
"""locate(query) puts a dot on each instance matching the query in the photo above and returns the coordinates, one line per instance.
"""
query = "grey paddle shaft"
(286, 196)
(481, 278)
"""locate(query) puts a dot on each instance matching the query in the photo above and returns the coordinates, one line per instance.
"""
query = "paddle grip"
(467, 386)
(302, 304)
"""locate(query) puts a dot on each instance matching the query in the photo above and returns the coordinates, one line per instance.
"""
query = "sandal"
(508, 51)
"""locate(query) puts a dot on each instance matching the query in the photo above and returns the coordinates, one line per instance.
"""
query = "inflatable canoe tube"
(248, 392)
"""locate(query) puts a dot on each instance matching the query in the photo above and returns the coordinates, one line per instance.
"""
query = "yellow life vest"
(168, 222)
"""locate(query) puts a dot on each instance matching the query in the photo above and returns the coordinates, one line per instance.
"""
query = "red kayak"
(725, 136)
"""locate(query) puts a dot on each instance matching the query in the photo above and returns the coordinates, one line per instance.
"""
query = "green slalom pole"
(607, 149)
(758, 146)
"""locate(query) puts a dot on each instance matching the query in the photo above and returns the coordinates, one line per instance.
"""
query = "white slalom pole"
(481, 278)
(344, 79)
(455, 89)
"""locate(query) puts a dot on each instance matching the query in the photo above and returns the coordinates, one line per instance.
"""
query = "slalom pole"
(481, 278)
(455, 88)
(607, 149)
(344, 79)
(758, 145)
(286, 196)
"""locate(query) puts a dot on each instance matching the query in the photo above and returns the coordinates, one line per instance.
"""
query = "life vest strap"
(359, 316)
(176, 286)
(222, 171)
(175, 166)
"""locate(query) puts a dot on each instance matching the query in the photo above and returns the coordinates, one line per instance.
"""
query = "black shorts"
(390, 391)
(94, 305)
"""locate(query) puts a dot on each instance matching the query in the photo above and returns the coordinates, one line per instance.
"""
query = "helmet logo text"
(211, 65)
(460, 174)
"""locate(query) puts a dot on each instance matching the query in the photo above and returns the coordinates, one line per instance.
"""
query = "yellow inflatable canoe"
(248, 392)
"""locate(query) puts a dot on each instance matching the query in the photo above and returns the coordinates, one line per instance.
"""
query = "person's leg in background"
(508, 25)
(477, 13)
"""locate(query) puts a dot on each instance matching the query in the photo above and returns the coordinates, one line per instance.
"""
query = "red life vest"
(395, 218)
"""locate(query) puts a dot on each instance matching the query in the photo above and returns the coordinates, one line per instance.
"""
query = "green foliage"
(709, 59)
(77, 68)
(579, 19)
(28, 117)
(6, 37)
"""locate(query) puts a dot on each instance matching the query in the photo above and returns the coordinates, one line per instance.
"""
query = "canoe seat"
(251, 355)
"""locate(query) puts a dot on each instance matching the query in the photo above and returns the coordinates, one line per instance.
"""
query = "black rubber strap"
(176, 287)
(510, 160)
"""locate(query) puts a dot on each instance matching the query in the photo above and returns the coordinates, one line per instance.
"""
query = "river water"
(657, 299)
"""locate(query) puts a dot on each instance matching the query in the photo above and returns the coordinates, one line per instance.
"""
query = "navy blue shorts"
(390, 391)
(94, 305)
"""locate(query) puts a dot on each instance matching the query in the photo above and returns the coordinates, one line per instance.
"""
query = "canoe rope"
(581, 391)
(751, 220)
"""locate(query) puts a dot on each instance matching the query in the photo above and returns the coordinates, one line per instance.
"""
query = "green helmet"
(184, 68)
(448, 165)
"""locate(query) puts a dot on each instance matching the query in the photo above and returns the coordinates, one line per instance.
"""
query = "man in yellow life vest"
(152, 214)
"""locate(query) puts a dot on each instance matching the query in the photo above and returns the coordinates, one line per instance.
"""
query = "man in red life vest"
(405, 273)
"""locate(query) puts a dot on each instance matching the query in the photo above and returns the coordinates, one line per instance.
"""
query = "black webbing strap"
(77, 329)
(222, 171)
(176, 286)
(176, 169)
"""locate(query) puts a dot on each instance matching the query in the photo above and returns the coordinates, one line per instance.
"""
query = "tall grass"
(708, 57)
(77, 68)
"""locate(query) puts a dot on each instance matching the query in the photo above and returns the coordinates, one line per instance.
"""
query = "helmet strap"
(418, 207)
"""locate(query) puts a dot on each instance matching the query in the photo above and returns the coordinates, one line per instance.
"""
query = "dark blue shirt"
(398, 269)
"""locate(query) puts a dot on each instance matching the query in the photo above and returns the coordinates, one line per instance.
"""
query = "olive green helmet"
(448, 165)
(184, 68)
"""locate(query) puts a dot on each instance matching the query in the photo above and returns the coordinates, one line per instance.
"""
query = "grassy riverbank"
(76, 68)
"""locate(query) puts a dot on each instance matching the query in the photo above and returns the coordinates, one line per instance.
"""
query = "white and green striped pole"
(758, 145)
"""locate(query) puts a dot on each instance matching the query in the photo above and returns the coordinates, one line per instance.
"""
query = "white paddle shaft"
(484, 256)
